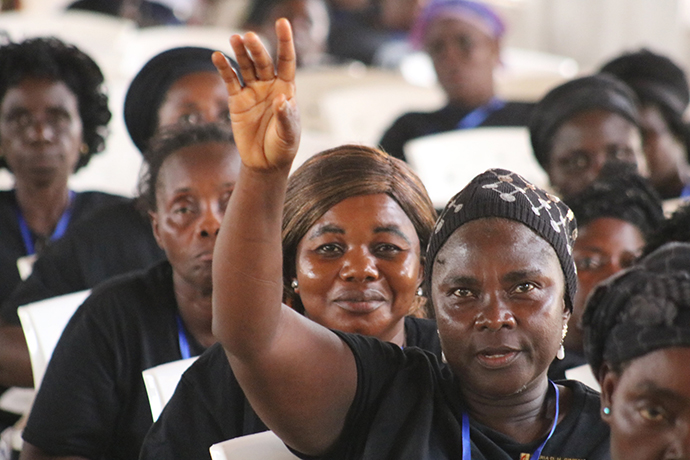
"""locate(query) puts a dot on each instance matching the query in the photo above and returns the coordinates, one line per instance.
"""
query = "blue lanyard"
(466, 449)
(60, 228)
(182, 338)
(478, 115)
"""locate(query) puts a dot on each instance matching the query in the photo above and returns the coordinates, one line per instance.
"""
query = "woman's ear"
(154, 226)
(608, 380)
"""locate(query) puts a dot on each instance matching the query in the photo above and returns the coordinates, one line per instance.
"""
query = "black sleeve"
(209, 399)
(395, 137)
(55, 273)
(76, 408)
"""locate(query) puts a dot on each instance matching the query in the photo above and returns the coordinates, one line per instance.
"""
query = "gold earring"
(84, 148)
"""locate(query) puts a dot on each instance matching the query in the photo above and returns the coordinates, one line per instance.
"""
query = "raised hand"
(264, 115)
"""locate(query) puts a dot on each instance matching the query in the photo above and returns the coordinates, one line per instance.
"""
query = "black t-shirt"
(92, 401)
(408, 406)
(417, 124)
(12, 245)
(112, 240)
(209, 399)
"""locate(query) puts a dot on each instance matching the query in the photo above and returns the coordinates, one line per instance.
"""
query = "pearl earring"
(420, 292)
(561, 351)
(294, 285)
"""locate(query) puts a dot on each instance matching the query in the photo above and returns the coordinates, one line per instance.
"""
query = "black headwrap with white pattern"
(502, 193)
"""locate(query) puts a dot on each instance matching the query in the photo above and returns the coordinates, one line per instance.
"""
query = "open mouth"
(497, 358)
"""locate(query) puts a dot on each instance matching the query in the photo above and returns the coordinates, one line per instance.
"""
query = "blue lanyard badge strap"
(466, 449)
(476, 117)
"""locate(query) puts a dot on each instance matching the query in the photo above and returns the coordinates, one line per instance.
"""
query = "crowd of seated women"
(334, 305)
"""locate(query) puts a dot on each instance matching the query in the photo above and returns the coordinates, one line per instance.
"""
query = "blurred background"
(347, 97)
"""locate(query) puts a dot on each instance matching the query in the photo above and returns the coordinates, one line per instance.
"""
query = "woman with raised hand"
(501, 277)
(332, 236)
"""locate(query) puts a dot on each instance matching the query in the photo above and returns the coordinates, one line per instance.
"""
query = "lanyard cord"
(60, 228)
(480, 114)
(466, 449)
(182, 339)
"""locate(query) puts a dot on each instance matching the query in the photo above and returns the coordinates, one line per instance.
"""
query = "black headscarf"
(640, 310)
(593, 92)
(149, 87)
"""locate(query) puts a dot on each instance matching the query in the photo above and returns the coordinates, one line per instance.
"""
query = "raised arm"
(299, 376)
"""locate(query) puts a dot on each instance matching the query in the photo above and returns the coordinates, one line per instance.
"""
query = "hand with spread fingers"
(264, 113)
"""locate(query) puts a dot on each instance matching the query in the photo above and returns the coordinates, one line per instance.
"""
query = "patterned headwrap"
(502, 193)
(641, 309)
(478, 14)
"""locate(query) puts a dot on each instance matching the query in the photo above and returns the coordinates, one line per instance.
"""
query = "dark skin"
(40, 137)
(192, 191)
(649, 404)
(300, 377)
(194, 98)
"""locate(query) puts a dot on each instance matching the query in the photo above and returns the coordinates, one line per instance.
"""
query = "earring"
(606, 411)
(84, 148)
(561, 351)
(420, 291)
(294, 285)
(443, 358)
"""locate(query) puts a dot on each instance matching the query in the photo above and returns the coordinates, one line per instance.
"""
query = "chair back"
(43, 323)
(161, 381)
(259, 446)
(447, 162)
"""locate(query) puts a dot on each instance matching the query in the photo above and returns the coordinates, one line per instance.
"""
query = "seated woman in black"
(92, 402)
(614, 217)
(637, 340)
(582, 125)
(501, 278)
(463, 39)
(53, 116)
(177, 86)
(343, 193)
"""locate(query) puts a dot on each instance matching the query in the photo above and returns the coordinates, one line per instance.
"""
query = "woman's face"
(665, 153)
(498, 290)
(583, 144)
(192, 191)
(40, 131)
(358, 267)
(603, 247)
(464, 58)
(650, 406)
(199, 97)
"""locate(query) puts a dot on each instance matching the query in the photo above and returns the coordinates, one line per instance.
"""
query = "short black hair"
(624, 195)
(50, 58)
(168, 141)
(675, 228)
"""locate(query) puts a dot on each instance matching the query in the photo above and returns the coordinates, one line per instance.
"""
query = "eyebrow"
(520, 275)
(652, 387)
(324, 229)
(394, 229)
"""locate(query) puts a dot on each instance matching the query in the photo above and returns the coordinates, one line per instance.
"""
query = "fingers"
(254, 60)
(286, 58)
(287, 116)
(227, 72)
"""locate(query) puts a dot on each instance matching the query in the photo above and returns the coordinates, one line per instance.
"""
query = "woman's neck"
(525, 416)
(195, 309)
(42, 207)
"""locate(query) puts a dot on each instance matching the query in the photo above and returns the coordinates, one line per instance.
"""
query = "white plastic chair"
(161, 381)
(43, 323)
(259, 446)
(446, 162)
